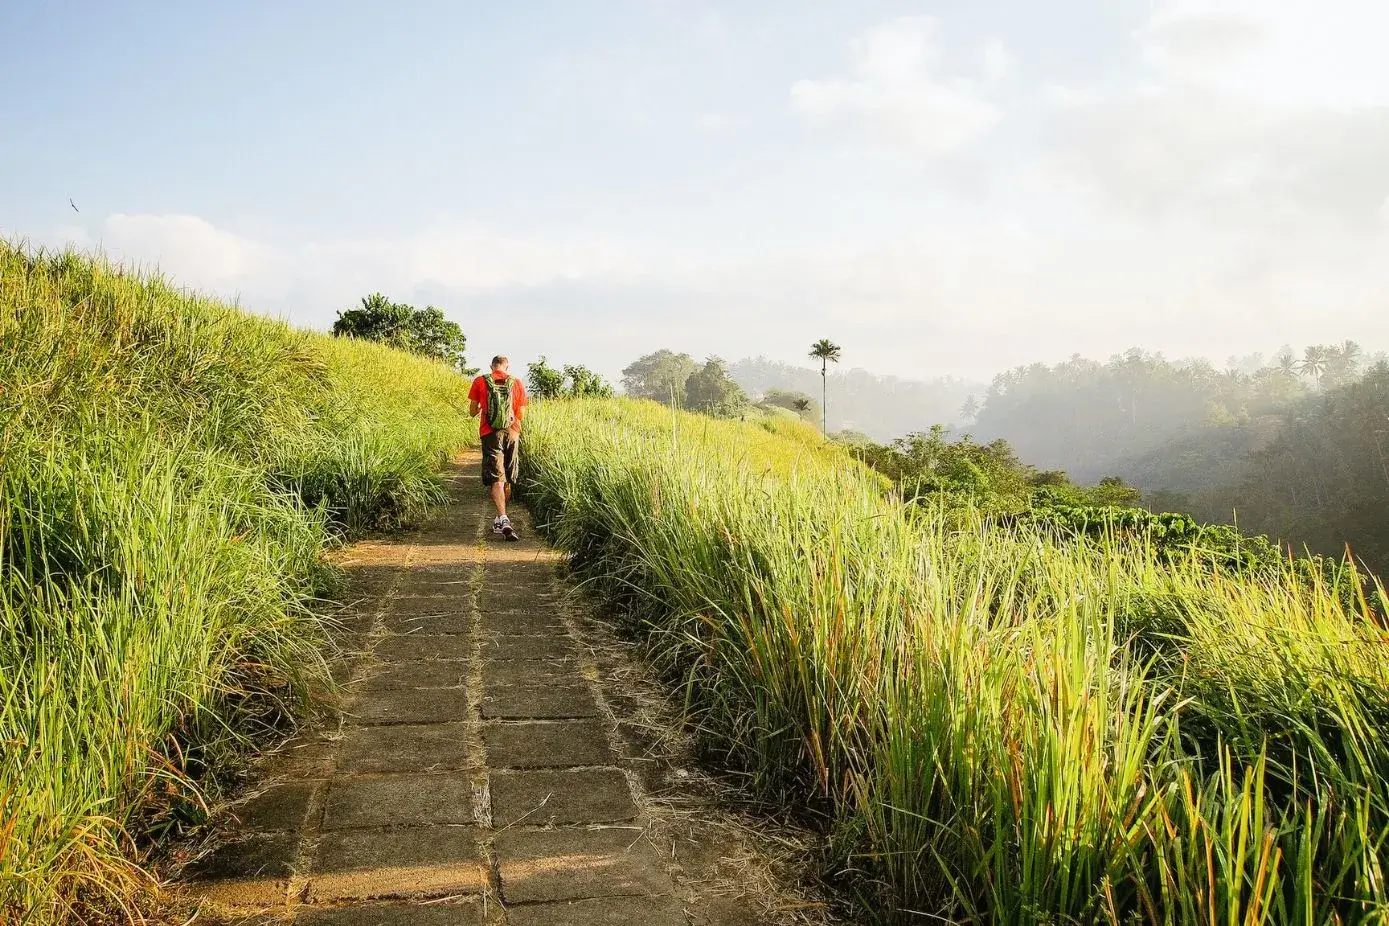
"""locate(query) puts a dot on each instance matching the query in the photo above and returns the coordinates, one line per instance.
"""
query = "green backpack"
(499, 410)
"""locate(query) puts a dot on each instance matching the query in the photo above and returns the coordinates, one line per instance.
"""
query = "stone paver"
(547, 648)
(433, 861)
(530, 622)
(553, 798)
(433, 674)
(404, 748)
(547, 745)
(472, 779)
(629, 911)
(538, 702)
(419, 646)
(459, 605)
(256, 856)
(441, 623)
(279, 808)
(412, 705)
(399, 800)
(565, 864)
(462, 914)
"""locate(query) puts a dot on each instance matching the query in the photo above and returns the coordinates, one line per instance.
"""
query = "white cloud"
(307, 279)
(998, 62)
(185, 247)
(1066, 96)
(897, 94)
(1243, 118)
(1328, 54)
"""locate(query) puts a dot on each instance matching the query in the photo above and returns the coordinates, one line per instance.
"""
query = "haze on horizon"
(943, 188)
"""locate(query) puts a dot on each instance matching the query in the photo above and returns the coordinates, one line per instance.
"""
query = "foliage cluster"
(676, 379)
(572, 381)
(930, 468)
(997, 722)
(170, 471)
(420, 331)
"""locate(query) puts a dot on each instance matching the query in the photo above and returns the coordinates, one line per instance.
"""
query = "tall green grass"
(997, 724)
(171, 470)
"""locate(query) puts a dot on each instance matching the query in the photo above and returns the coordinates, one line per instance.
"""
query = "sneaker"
(509, 532)
(497, 526)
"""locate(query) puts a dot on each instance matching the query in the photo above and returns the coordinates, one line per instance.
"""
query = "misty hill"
(882, 407)
(1294, 448)
(1156, 422)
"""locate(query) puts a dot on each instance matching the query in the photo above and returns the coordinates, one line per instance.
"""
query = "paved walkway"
(474, 778)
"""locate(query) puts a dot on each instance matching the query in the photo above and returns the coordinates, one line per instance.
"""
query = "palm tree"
(827, 352)
(1314, 360)
(1286, 363)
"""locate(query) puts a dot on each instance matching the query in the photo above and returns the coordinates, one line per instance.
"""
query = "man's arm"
(520, 410)
(474, 401)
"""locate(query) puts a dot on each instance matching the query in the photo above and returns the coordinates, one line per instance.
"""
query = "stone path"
(474, 777)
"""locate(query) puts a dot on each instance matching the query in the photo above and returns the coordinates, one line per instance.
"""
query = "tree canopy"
(421, 331)
(660, 375)
(545, 382)
(711, 391)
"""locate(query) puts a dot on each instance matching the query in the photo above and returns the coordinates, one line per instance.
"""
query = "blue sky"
(943, 188)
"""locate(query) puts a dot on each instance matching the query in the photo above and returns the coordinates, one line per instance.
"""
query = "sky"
(942, 188)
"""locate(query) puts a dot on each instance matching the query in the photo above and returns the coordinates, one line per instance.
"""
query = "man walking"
(501, 398)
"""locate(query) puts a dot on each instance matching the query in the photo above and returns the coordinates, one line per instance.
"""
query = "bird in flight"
(74, 206)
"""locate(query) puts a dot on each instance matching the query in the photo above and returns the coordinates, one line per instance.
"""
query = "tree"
(970, 409)
(661, 376)
(421, 331)
(583, 382)
(1314, 361)
(433, 335)
(1113, 492)
(543, 380)
(378, 319)
(710, 391)
(574, 381)
(1286, 363)
(827, 352)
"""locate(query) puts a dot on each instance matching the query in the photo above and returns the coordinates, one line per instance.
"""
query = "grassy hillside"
(170, 470)
(997, 724)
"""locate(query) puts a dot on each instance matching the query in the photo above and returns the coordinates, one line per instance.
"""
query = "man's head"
(500, 364)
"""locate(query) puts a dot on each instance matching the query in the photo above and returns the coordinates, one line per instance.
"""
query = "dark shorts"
(501, 458)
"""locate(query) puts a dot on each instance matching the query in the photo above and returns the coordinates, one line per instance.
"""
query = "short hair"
(500, 360)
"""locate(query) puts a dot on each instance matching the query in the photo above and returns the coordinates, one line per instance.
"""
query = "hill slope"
(1004, 724)
(170, 470)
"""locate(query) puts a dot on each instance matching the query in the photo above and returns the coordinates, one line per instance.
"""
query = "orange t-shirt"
(479, 395)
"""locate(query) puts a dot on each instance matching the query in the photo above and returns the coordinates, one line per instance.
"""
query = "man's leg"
(494, 470)
(509, 472)
(499, 494)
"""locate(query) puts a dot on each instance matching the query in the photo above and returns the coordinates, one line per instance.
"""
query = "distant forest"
(1295, 446)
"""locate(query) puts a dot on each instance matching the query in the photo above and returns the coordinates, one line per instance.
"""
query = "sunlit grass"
(170, 471)
(995, 724)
